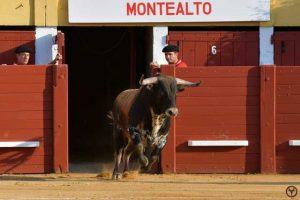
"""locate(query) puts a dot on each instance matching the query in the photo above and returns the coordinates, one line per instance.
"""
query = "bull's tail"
(110, 117)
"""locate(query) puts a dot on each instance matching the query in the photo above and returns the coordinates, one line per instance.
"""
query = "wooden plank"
(291, 79)
(228, 81)
(28, 70)
(188, 53)
(28, 79)
(25, 134)
(288, 89)
(218, 101)
(288, 118)
(26, 97)
(221, 119)
(28, 106)
(287, 128)
(252, 53)
(216, 158)
(239, 55)
(268, 119)
(19, 115)
(287, 53)
(14, 168)
(25, 88)
(221, 130)
(218, 72)
(207, 91)
(200, 55)
(226, 51)
(290, 99)
(188, 111)
(26, 124)
(60, 119)
(20, 159)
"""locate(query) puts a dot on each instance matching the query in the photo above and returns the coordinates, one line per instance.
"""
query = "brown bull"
(141, 119)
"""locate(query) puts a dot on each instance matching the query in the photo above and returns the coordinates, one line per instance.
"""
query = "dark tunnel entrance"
(102, 62)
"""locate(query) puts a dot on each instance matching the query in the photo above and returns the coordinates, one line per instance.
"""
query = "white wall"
(266, 48)
(159, 41)
(45, 47)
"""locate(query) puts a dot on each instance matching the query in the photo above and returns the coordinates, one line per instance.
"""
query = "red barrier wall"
(27, 114)
(257, 104)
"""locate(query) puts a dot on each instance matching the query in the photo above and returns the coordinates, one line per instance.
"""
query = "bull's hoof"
(144, 160)
(145, 169)
(116, 176)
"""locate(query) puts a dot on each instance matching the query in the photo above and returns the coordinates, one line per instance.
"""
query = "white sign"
(122, 11)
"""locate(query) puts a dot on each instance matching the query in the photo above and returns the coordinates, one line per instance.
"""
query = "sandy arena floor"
(87, 186)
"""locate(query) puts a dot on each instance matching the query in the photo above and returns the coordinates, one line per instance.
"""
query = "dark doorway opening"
(102, 62)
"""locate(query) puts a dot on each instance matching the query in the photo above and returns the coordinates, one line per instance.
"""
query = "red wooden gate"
(217, 48)
(287, 48)
(33, 119)
(225, 108)
(287, 119)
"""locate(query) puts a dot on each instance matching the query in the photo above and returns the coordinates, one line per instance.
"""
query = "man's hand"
(154, 65)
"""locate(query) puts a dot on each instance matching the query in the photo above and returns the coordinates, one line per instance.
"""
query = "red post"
(268, 119)
(60, 118)
(168, 155)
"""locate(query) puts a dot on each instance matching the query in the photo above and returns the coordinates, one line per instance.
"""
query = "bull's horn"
(150, 80)
(187, 83)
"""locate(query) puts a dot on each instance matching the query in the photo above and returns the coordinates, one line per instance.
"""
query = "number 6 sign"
(214, 50)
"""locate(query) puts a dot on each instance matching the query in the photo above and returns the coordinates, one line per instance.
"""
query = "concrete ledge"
(20, 144)
(217, 143)
(294, 142)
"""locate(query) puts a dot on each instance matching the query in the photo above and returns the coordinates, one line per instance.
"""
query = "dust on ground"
(85, 186)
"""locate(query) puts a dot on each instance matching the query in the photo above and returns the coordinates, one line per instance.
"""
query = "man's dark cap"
(22, 49)
(170, 48)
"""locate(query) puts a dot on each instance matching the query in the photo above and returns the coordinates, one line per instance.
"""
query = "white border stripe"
(209, 143)
(294, 142)
(20, 144)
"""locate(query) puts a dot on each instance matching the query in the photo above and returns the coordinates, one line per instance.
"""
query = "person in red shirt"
(171, 56)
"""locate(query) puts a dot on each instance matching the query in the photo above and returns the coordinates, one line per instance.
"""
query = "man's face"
(171, 57)
(23, 58)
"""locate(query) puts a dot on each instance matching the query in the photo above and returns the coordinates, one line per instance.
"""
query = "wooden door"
(217, 48)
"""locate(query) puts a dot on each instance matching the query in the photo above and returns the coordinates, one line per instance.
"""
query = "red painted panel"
(26, 114)
(287, 48)
(231, 48)
(10, 40)
(225, 107)
(288, 117)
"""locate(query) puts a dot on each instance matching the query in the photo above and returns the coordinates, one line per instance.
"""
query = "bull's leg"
(155, 155)
(127, 154)
(153, 158)
(137, 141)
(119, 148)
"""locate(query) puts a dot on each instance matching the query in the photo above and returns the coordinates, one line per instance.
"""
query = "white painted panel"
(20, 144)
(294, 142)
(118, 11)
(208, 143)
(266, 47)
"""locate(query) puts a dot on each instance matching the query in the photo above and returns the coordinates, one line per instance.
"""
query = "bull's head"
(164, 89)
